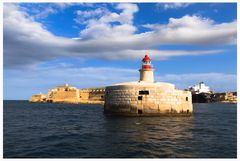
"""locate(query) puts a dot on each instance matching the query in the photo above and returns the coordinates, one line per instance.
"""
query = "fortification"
(92, 95)
(38, 98)
(69, 94)
(226, 97)
(146, 97)
(63, 94)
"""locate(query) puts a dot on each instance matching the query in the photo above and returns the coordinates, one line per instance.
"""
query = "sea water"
(44, 130)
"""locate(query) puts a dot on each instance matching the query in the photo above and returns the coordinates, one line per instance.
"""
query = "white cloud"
(194, 30)
(46, 12)
(127, 15)
(102, 27)
(84, 16)
(101, 39)
(41, 11)
(167, 6)
(91, 13)
(32, 43)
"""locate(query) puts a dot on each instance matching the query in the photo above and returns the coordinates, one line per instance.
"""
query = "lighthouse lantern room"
(146, 62)
(146, 72)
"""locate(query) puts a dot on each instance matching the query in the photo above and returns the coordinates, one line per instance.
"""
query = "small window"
(140, 112)
(144, 92)
(186, 98)
(139, 97)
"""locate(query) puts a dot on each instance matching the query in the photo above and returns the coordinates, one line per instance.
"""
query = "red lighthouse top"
(146, 58)
(146, 62)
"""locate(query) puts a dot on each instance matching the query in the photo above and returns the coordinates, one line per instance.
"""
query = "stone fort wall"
(144, 100)
(38, 98)
(64, 96)
(92, 95)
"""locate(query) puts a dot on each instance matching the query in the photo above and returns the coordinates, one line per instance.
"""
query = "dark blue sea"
(43, 130)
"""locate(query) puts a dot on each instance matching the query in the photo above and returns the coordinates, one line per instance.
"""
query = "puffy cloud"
(84, 16)
(92, 13)
(104, 16)
(194, 30)
(102, 27)
(27, 42)
(167, 6)
(41, 11)
(128, 10)
(46, 12)
(27, 39)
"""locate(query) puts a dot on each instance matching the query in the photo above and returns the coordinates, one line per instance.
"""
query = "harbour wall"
(146, 100)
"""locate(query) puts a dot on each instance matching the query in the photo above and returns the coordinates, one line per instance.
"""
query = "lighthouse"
(146, 72)
(147, 97)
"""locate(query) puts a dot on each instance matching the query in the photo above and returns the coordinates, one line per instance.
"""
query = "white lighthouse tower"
(146, 72)
(147, 97)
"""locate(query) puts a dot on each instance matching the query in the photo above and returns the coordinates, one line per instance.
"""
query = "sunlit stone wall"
(64, 96)
(38, 98)
(147, 99)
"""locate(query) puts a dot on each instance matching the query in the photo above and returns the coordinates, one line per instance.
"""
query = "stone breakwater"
(140, 98)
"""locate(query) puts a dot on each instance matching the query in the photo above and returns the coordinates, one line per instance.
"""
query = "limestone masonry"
(65, 94)
(38, 98)
(69, 94)
(147, 97)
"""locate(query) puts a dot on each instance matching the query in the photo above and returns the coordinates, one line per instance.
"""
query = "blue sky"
(98, 44)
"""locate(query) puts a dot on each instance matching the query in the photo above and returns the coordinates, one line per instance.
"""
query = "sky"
(98, 44)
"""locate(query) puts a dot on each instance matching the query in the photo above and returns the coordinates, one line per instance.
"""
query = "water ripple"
(82, 131)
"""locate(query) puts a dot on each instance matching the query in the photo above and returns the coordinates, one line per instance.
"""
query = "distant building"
(66, 93)
(38, 98)
(69, 94)
(227, 97)
(92, 95)
(199, 88)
